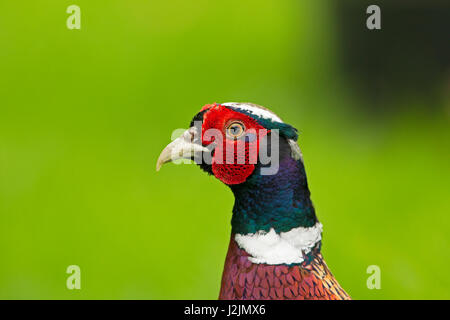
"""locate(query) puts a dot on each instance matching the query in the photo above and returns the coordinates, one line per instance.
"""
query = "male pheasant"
(274, 250)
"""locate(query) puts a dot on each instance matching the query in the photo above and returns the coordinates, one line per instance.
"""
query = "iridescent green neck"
(280, 201)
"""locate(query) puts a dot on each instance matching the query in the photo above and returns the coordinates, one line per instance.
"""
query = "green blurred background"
(85, 113)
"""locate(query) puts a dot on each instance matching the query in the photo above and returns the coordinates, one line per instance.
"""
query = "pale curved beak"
(181, 148)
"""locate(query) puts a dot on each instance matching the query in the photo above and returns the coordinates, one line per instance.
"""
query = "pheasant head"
(274, 250)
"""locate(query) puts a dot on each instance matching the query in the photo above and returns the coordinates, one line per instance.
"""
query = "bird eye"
(235, 129)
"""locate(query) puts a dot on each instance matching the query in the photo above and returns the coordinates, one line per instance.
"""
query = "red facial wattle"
(236, 171)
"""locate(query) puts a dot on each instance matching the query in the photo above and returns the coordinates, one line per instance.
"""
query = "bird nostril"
(191, 134)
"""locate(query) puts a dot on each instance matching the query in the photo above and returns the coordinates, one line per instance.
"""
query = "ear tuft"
(286, 130)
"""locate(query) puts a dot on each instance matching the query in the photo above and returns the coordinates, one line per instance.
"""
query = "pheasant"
(274, 250)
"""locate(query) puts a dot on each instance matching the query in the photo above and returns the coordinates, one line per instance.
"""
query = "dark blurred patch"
(408, 57)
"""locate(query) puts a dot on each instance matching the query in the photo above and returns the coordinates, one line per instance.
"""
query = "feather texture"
(244, 280)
